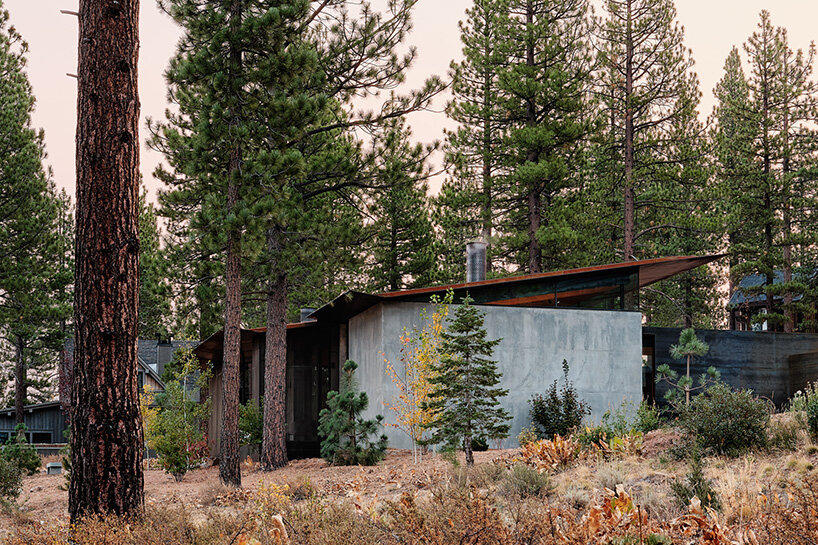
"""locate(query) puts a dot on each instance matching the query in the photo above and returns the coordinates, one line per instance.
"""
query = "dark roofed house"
(746, 303)
(47, 422)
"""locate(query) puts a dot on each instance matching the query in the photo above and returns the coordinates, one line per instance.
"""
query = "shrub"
(647, 417)
(11, 479)
(558, 411)
(526, 436)
(21, 453)
(251, 423)
(695, 484)
(523, 482)
(173, 429)
(727, 422)
(346, 436)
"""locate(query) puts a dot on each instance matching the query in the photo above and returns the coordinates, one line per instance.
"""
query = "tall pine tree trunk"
(630, 194)
(789, 318)
(229, 466)
(19, 380)
(274, 443)
(534, 204)
(485, 213)
(106, 432)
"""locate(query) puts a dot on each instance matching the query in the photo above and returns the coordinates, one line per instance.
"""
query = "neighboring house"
(47, 422)
(744, 304)
(588, 317)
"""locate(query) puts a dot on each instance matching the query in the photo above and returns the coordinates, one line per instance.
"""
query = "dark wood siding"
(758, 361)
(45, 424)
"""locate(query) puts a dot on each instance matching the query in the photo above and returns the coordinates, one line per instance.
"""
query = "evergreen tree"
(35, 268)
(347, 437)
(106, 430)
(154, 289)
(646, 85)
(401, 245)
(733, 122)
(543, 88)
(464, 399)
(778, 195)
(467, 206)
(225, 142)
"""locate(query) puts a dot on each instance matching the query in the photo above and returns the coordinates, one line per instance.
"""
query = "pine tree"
(35, 276)
(225, 143)
(543, 89)
(732, 141)
(646, 84)
(778, 195)
(154, 289)
(466, 206)
(401, 244)
(464, 400)
(347, 437)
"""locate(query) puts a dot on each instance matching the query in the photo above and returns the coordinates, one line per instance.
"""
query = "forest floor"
(646, 476)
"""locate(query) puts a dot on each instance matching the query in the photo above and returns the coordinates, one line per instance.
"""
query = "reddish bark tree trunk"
(274, 443)
(19, 381)
(106, 433)
(630, 193)
(229, 467)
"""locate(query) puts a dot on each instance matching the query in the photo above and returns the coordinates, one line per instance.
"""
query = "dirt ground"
(45, 497)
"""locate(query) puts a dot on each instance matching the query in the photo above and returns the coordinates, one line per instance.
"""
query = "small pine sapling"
(464, 401)
(347, 437)
(689, 347)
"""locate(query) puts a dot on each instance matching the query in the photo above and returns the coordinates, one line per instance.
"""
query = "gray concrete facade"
(603, 349)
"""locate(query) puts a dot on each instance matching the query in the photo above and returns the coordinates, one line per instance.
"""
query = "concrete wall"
(603, 349)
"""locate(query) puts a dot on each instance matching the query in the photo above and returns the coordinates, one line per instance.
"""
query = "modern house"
(587, 316)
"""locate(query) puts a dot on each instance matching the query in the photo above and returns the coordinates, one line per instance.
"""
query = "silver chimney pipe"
(305, 313)
(476, 261)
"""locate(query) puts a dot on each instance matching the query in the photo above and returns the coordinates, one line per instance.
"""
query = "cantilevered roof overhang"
(533, 290)
(558, 288)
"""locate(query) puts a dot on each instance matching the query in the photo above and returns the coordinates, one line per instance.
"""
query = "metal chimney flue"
(476, 261)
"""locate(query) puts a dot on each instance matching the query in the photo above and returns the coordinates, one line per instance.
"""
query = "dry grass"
(766, 498)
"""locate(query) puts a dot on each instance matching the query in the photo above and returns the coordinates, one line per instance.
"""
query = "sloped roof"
(739, 297)
(508, 291)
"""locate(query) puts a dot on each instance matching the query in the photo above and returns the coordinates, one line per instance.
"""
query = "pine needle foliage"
(347, 437)
(464, 403)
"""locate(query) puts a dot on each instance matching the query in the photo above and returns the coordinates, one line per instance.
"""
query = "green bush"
(523, 481)
(11, 479)
(647, 417)
(558, 411)
(251, 423)
(695, 484)
(728, 422)
(21, 453)
(806, 403)
(346, 437)
(174, 429)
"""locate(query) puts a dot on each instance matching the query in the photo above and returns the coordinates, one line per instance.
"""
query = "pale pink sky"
(712, 26)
